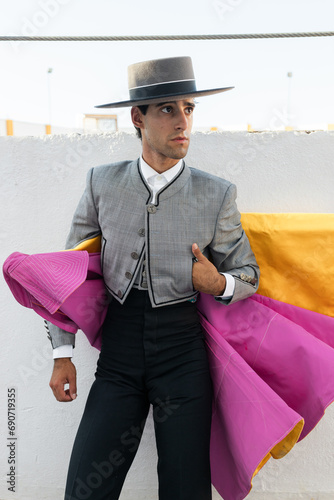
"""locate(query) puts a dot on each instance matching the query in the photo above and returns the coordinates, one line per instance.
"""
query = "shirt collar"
(169, 174)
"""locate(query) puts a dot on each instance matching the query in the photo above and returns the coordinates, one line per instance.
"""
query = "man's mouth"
(180, 139)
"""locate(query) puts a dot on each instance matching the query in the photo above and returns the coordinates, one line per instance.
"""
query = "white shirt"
(156, 181)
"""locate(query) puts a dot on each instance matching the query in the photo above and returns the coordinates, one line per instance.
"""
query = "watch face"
(108, 124)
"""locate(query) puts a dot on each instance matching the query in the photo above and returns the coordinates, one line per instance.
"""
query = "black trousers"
(149, 357)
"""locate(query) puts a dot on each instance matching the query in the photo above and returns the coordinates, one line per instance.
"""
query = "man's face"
(166, 129)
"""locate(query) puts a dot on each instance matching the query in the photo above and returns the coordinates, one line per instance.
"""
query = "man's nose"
(182, 121)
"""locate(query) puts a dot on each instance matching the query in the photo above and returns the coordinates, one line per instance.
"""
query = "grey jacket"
(195, 207)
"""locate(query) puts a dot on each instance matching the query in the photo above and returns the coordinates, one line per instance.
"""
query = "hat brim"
(162, 98)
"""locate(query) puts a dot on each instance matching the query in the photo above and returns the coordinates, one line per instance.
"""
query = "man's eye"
(190, 110)
(167, 109)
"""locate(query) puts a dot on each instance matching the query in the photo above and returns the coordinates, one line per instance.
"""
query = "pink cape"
(272, 364)
(272, 367)
(65, 288)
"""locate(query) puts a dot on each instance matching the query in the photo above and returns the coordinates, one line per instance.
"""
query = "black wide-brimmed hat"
(155, 80)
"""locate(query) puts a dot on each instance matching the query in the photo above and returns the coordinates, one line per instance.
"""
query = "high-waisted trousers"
(149, 356)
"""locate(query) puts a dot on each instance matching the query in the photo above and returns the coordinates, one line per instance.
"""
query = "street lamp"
(289, 75)
(48, 127)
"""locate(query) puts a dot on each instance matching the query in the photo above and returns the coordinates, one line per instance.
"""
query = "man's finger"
(72, 381)
(196, 251)
(61, 393)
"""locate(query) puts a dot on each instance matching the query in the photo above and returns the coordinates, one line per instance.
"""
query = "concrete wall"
(42, 179)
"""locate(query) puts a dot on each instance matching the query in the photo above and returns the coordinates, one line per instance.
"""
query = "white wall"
(42, 179)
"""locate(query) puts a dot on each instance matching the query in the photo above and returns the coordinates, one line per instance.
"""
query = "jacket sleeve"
(231, 251)
(84, 225)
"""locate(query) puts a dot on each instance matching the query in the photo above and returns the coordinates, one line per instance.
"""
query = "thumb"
(72, 382)
(196, 251)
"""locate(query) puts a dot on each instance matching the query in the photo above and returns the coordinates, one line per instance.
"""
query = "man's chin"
(180, 153)
(178, 157)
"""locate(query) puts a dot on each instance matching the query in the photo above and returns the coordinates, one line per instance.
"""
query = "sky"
(85, 74)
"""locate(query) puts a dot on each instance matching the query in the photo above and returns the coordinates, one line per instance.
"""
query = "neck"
(160, 164)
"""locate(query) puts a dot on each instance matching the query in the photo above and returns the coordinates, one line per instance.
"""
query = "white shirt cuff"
(230, 285)
(63, 351)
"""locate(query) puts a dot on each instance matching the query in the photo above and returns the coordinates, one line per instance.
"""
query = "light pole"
(288, 111)
(48, 127)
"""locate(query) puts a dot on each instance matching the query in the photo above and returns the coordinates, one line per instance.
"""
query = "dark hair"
(143, 109)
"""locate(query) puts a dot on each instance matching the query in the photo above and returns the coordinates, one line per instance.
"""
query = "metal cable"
(158, 37)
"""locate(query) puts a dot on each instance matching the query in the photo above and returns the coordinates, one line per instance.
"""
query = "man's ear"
(136, 116)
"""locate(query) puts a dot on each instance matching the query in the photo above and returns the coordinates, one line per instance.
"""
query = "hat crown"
(159, 80)
(160, 71)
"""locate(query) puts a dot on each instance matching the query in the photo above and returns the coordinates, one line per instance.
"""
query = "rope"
(158, 37)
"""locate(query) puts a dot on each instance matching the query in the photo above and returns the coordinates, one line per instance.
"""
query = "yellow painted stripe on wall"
(9, 127)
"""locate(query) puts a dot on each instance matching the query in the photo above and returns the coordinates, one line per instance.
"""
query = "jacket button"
(135, 256)
(119, 293)
(151, 209)
(141, 231)
(144, 284)
(128, 275)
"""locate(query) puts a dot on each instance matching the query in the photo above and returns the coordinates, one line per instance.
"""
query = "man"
(168, 232)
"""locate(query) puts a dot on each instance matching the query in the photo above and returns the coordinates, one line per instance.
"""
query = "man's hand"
(64, 372)
(206, 278)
